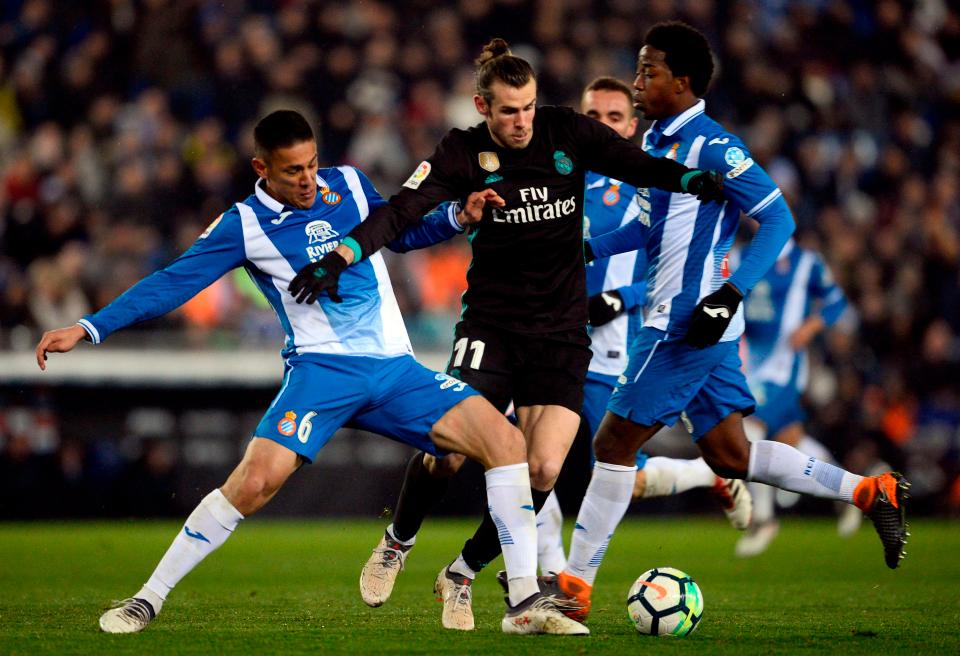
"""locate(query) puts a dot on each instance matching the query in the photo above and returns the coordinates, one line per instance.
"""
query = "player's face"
(655, 87)
(291, 174)
(510, 113)
(612, 108)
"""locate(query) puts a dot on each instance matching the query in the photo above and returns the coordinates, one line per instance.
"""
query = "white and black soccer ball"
(665, 601)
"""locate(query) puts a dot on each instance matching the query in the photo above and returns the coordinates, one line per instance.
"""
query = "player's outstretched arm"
(58, 341)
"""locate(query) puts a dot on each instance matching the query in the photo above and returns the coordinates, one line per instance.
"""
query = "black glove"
(588, 255)
(712, 316)
(318, 277)
(604, 307)
(705, 185)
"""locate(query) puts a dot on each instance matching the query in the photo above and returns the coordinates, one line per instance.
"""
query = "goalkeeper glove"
(318, 277)
(705, 185)
(712, 316)
(604, 307)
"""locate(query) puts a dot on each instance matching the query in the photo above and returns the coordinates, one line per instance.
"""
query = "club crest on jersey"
(489, 161)
(329, 197)
(612, 195)
(734, 156)
(320, 231)
(288, 425)
(210, 227)
(414, 181)
(563, 164)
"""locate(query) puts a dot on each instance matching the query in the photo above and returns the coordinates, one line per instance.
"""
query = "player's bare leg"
(263, 470)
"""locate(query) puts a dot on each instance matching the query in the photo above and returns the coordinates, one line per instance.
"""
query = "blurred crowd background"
(125, 129)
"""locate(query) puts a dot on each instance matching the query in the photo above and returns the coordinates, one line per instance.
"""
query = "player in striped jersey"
(347, 360)
(787, 309)
(684, 364)
(617, 287)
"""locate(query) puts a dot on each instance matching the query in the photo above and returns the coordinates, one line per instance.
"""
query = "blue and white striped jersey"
(782, 300)
(607, 205)
(272, 242)
(687, 241)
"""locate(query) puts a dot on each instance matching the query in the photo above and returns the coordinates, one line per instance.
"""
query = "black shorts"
(504, 366)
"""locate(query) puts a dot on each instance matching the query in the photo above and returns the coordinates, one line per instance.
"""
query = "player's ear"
(259, 166)
(632, 129)
(481, 104)
(681, 84)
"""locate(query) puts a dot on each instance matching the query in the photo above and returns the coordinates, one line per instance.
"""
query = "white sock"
(763, 496)
(815, 448)
(459, 566)
(666, 476)
(511, 507)
(784, 467)
(603, 506)
(406, 543)
(207, 527)
(550, 552)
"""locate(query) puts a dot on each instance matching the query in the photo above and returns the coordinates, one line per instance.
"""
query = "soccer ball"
(665, 601)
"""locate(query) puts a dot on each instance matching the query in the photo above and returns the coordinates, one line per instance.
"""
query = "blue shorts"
(666, 380)
(395, 397)
(596, 394)
(778, 406)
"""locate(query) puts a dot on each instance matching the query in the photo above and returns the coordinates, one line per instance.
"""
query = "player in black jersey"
(522, 337)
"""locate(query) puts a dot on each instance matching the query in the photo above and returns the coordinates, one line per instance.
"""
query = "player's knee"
(544, 473)
(443, 467)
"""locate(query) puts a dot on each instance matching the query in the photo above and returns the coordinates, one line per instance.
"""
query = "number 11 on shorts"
(460, 351)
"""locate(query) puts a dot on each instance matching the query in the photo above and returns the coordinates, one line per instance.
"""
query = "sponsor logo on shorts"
(686, 422)
(288, 425)
(449, 382)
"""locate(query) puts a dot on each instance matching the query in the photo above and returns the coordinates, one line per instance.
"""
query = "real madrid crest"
(489, 161)
(562, 163)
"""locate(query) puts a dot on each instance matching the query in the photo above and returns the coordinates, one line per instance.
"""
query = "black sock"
(484, 546)
(420, 491)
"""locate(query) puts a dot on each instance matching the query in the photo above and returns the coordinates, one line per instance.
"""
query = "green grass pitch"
(291, 587)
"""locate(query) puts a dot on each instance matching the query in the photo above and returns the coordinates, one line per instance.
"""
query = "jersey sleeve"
(636, 293)
(437, 226)
(749, 188)
(442, 177)
(825, 289)
(630, 237)
(218, 250)
(606, 152)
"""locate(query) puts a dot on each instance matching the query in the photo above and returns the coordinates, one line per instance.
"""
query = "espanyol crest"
(319, 231)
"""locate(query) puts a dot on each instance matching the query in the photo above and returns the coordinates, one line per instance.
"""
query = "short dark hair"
(687, 52)
(496, 62)
(280, 129)
(607, 83)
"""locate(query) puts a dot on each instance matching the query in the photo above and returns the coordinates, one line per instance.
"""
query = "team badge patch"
(210, 227)
(414, 181)
(734, 156)
(288, 425)
(563, 164)
(329, 197)
(612, 195)
(489, 161)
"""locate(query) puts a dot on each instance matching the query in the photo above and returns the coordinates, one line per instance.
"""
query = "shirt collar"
(670, 126)
(272, 203)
